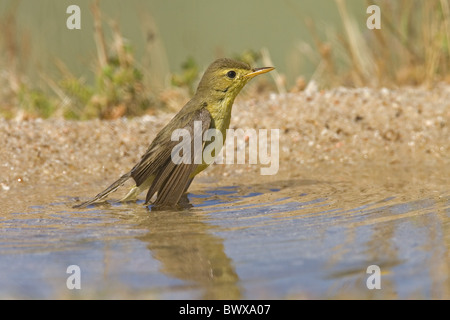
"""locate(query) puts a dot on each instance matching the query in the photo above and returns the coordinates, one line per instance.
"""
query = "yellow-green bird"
(211, 104)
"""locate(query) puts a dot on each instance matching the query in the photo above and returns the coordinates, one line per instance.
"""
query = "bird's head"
(226, 77)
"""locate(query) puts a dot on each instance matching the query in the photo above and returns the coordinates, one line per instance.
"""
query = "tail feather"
(106, 192)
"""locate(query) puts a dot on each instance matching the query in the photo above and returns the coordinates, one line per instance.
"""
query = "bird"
(211, 105)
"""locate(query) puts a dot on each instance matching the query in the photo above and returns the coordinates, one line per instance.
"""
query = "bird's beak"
(257, 71)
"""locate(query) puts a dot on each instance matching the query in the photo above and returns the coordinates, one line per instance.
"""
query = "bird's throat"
(220, 111)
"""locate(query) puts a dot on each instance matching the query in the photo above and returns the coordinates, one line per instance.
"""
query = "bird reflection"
(185, 245)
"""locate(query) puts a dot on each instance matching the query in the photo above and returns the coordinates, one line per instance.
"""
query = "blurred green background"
(136, 57)
(176, 29)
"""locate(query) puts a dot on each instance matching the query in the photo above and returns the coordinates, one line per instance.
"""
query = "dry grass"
(411, 48)
(121, 88)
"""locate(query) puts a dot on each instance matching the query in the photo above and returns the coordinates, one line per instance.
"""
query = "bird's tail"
(106, 192)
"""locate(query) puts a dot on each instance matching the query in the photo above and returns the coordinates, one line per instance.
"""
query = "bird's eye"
(231, 74)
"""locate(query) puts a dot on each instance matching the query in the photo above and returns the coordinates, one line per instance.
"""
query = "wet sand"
(383, 136)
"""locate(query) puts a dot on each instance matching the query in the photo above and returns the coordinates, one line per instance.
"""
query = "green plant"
(188, 76)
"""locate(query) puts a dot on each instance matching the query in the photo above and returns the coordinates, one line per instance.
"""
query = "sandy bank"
(321, 132)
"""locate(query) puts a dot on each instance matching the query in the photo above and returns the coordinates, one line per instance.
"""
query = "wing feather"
(171, 178)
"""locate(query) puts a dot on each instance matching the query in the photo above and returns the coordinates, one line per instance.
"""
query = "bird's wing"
(171, 178)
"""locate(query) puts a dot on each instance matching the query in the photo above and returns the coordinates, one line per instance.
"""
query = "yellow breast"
(221, 115)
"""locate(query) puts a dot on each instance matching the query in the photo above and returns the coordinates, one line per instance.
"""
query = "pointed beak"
(257, 71)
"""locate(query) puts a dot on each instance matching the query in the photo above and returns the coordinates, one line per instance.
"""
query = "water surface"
(288, 239)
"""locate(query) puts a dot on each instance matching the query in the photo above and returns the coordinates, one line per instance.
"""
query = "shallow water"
(292, 238)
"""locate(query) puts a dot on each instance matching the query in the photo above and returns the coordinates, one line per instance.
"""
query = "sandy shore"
(321, 132)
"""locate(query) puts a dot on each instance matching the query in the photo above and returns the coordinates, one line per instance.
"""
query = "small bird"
(211, 104)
